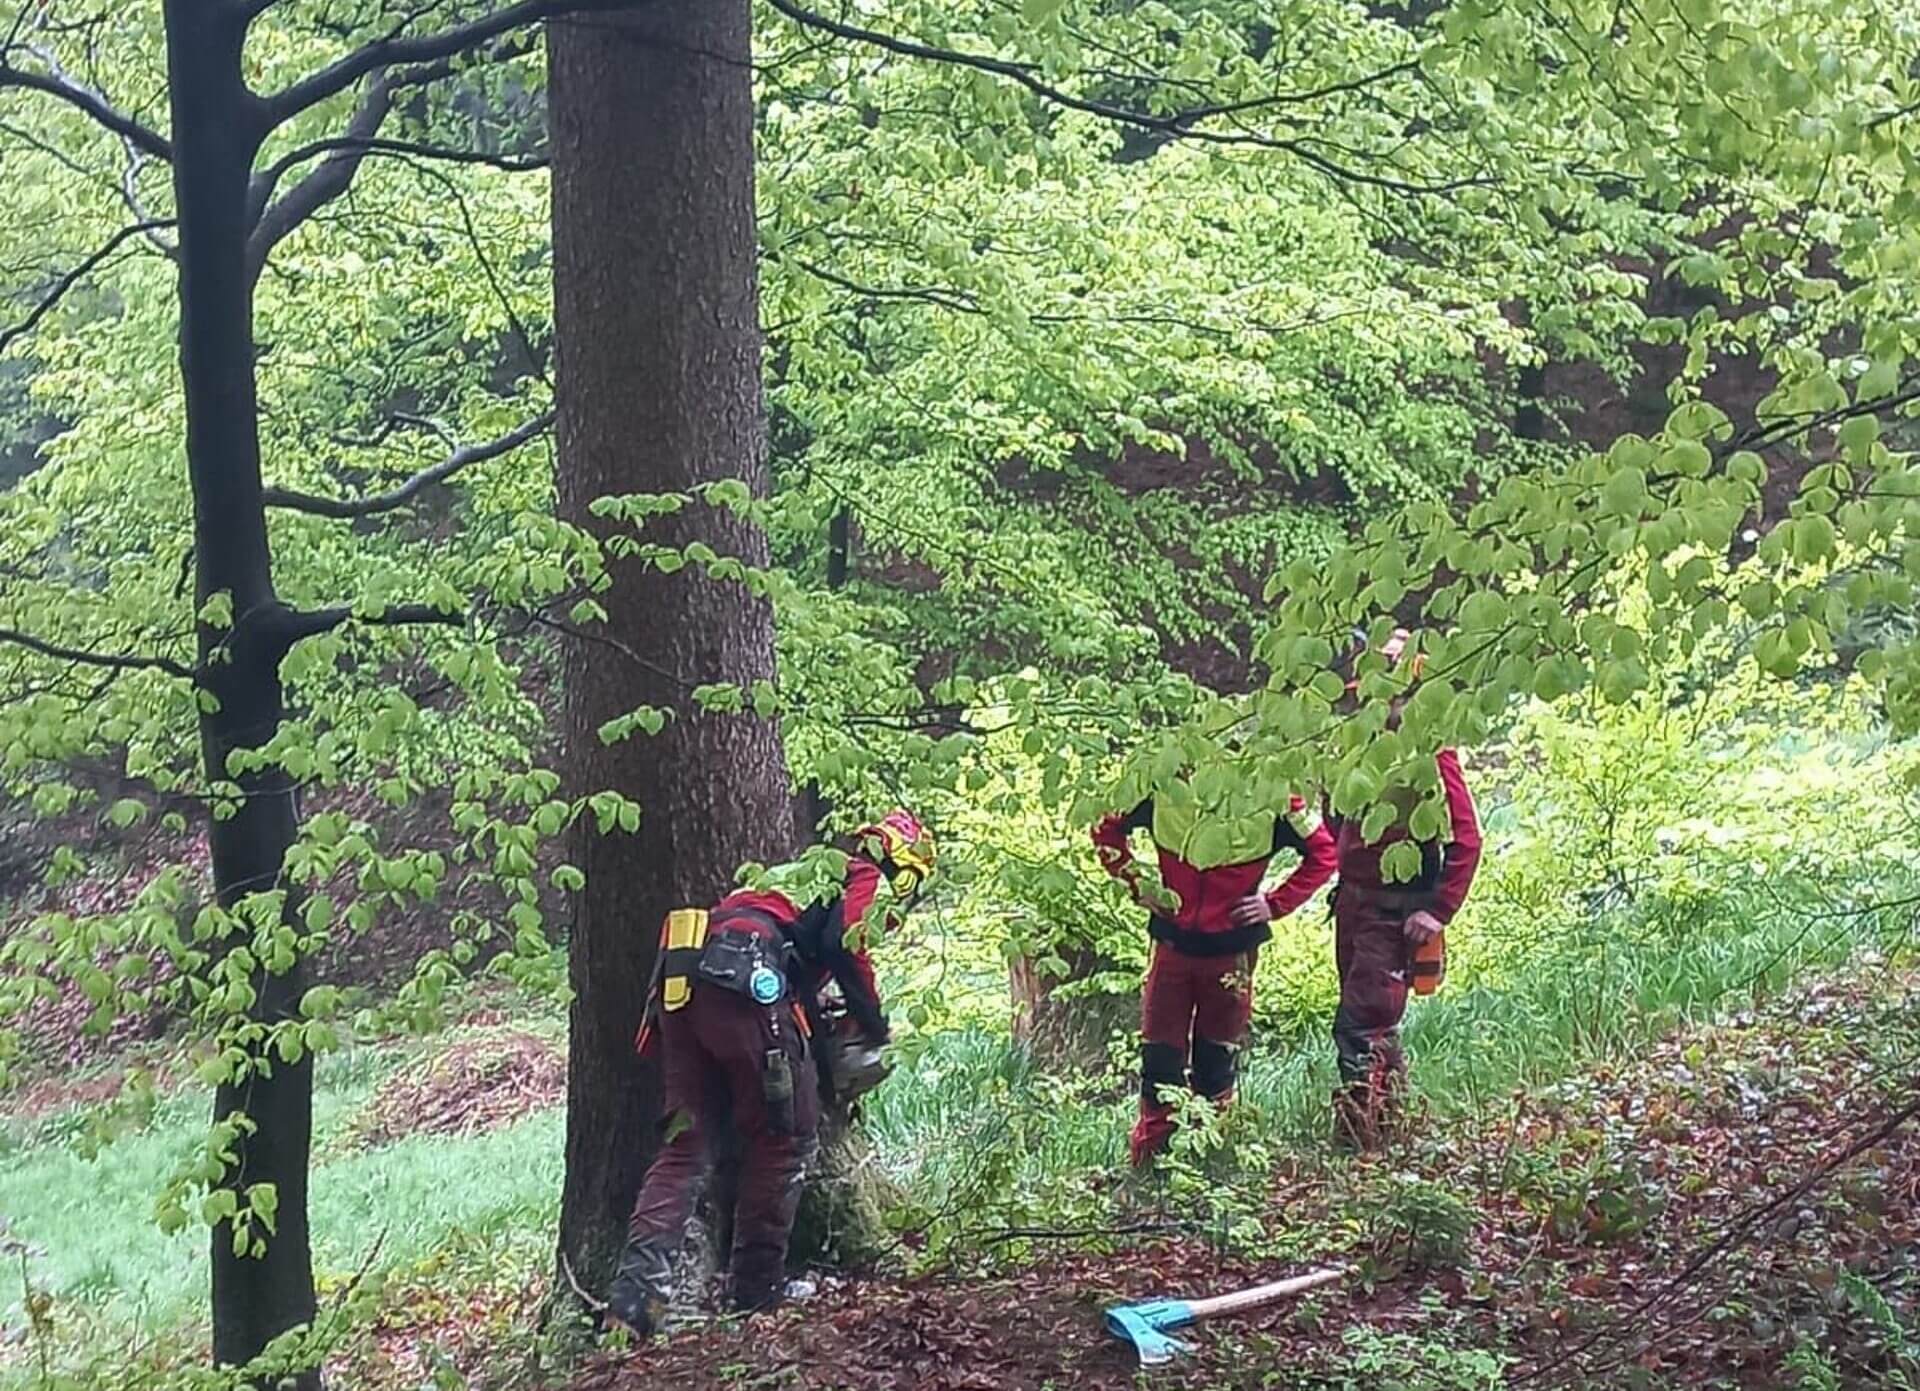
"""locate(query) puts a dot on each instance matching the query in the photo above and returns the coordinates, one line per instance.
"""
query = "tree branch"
(1180, 125)
(462, 458)
(73, 277)
(109, 660)
(130, 195)
(395, 49)
(272, 225)
(1768, 433)
(295, 624)
(266, 179)
(345, 153)
(91, 102)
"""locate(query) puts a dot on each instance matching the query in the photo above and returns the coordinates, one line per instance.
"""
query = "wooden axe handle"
(1261, 1294)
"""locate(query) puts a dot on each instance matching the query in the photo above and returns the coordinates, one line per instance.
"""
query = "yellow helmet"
(902, 847)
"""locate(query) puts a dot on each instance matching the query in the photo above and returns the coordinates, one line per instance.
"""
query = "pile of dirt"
(473, 1085)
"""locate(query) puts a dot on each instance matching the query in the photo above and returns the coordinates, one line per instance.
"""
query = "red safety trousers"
(714, 1056)
(1194, 1013)
(1375, 959)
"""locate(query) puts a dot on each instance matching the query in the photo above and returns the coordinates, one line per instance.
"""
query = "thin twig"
(52, 298)
(110, 660)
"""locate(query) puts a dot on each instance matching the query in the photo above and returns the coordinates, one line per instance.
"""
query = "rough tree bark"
(656, 312)
(216, 133)
(1065, 1035)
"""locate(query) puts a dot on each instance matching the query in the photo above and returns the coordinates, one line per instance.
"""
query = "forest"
(959, 694)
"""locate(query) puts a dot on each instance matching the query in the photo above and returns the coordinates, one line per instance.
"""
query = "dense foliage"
(1122, 359)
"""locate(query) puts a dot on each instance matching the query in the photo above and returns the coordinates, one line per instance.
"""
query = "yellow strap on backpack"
(684, 932)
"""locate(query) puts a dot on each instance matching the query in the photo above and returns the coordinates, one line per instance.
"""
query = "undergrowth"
(992, 1148)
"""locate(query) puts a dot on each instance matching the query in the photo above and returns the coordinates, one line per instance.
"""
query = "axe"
(1147, 1326)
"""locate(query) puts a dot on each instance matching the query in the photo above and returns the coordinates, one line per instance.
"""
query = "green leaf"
(1881, 379)
(1859, 434)
(1812, 539)
(1625, 492)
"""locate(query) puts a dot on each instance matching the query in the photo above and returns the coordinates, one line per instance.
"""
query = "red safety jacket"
(822, 948)
(1209, 882)
(1447, 868)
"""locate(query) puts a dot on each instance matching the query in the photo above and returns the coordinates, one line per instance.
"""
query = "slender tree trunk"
(656, 311)
(811, 807)
(215, 137)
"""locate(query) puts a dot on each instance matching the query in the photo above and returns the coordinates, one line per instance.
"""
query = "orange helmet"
(902, 847)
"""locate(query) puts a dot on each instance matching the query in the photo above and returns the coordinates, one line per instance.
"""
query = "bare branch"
(73, 277)
(344, 154)
(1180, 125)
(130, 195)
(334, 176)
(57, 155)
(296, 624)
(397, 49)
(268, 178)
(395, 498)
(398, 420)
(110, 660)
(85, 99)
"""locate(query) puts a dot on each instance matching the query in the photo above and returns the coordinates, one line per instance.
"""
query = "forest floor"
(1740, 1207)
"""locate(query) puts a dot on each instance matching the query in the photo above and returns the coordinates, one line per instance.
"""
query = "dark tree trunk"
(811, 807)
(215, 136)
(655, 307)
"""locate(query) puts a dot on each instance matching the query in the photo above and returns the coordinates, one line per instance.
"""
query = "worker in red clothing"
(735, 996)
(1384, 932)
(1207, 922)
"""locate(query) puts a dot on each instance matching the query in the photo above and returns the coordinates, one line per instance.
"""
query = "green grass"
(970, 1120)
(1600, 991)
(93, 1218)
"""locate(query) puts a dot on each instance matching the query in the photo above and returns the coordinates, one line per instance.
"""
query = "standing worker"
(1206, 929)
(1389, 937)
(736, 990)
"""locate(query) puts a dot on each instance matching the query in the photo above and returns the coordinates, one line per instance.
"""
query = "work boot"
(1388, 1083)
(639, 1293)
(1150, 1135)
(751, 1296)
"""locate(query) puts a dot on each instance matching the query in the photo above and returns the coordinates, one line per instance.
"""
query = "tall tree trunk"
(658, 389)
(215, 137)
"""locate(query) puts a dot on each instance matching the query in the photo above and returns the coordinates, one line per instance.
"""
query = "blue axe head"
(1146, 1325)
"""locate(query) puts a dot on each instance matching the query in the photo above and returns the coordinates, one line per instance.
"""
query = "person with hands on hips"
(1208, 917)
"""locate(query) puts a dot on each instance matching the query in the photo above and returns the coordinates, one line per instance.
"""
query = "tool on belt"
(1430, 964)
(743, 962)
(1427, 963)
